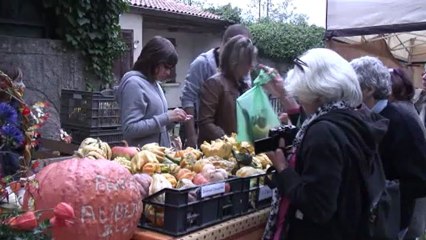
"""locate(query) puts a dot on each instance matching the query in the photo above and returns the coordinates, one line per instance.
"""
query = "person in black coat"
(321, 194)
(403, 148)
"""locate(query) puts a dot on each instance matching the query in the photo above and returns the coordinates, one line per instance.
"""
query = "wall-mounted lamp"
(136, 44)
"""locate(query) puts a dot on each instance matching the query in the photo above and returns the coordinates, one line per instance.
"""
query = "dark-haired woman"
(144, 110)
(402, 95)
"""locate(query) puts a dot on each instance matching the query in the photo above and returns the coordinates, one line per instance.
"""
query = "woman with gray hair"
(403, 148)
(320, 189)
(374, 79)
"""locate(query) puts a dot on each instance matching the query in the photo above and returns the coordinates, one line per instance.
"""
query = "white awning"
(402, 24)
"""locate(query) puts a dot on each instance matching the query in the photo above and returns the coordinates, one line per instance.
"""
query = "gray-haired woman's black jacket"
(327, 198)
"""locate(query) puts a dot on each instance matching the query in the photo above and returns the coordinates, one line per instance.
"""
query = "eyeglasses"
(300, 64)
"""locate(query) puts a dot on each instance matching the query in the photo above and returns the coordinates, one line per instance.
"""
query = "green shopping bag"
(255, 115)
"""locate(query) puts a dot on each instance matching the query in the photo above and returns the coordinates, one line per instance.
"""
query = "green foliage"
(92, 26)
(284, 41)
(227, 12)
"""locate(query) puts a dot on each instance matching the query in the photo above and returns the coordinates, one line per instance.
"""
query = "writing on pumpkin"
(112, 219)
(103, 184)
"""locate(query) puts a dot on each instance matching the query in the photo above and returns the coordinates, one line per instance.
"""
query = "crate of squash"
(192, 189)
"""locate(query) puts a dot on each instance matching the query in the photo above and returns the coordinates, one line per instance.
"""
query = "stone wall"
(48, 66)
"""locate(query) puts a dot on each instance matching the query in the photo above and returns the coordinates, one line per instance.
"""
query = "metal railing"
(276, 105)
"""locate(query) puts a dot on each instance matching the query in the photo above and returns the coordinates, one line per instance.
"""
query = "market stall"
(394, 31)
(217, 192)
(101, 188)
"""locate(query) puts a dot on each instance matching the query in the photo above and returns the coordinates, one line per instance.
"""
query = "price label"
(212, 189)
(264, 193)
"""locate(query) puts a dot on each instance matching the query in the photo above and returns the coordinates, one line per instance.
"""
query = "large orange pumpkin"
(105, 197)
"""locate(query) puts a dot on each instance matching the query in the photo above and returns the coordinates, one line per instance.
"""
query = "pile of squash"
(155, 167)
(166, 167)
(163, 167)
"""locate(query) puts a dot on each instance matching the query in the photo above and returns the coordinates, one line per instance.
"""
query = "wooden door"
(125, 62)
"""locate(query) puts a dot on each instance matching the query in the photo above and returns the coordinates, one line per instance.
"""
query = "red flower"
(35, 165)
(15, 186)
(58, 222)
(63, 211)
(26, 111)
(25, 222)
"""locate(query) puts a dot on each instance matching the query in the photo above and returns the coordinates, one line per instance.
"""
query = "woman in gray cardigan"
(144, 111)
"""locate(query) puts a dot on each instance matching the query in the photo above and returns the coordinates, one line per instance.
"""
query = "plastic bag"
(255, 115)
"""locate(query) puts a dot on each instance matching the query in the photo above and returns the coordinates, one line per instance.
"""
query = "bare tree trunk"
(268, 2)
(260, 9)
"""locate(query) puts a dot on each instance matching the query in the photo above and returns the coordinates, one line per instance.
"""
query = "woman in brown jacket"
(219, 93)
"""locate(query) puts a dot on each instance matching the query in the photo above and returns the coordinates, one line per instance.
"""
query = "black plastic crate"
(177, 216)
(89, 109)
(113, 136)
(257, 193)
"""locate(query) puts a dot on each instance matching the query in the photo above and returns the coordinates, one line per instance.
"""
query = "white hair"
(326, 78)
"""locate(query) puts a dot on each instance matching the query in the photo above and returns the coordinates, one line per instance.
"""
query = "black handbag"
(384, 214)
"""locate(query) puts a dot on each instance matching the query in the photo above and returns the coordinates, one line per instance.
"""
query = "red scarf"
(284, 204)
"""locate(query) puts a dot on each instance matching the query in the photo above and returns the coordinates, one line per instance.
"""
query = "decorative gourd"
(159, 182)
(186, 183)
(198, 166)
(248, 171)
(212, 174)
(151, 168)
(185, 173)
(124, 151)
(94, 149)
(144, 181)
(199, 179)
(124, 162)
(104, 195)
(155, 215)
(207, 167)
(157, 150)
(88, 141)
(170, 178)
(141, 158)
